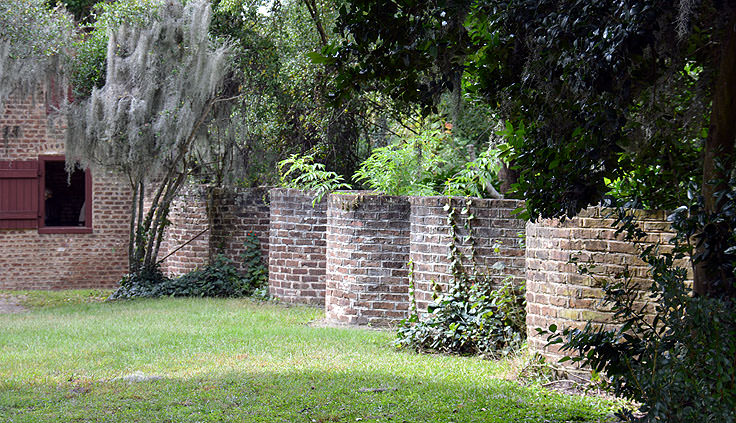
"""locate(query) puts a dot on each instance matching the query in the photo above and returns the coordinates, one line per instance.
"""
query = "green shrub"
(302, 172)
(678, 362)
(220, 278)
(416, 165)
(256, 272)
(471, 319)
(477, 178)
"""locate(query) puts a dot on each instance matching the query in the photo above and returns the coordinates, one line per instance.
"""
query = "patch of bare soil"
(324, 323)
(11, 305)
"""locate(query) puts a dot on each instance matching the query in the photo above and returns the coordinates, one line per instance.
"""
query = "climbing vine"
(473, 317)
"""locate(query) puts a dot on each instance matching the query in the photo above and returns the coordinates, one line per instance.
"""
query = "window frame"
(42, 228)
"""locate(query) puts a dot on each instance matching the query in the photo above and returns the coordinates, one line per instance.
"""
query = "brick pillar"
(297, 262)
(498, 236)
(558, 294)
(367, 254)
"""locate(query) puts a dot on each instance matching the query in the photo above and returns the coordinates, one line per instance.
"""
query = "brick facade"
(367, 254)
(557, 293)
(497, 234)
(298, 244)
(30, 260)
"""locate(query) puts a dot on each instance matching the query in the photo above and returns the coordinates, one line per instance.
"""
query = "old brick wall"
(237, 212)
(367, 253)
(298, 244)
(186, 242)
(234, 212)
(29, 260)
(556, 291)
(497, 236)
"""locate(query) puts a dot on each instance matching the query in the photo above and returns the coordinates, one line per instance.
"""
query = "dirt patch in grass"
(11, 305)
(325, 323)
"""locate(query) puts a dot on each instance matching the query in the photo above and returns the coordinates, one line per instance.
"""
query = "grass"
(242, 361)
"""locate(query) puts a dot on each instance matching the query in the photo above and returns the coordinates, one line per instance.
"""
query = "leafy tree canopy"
(603, 88)
(638, 94)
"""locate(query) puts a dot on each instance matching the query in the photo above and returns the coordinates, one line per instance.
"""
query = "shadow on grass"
(290, 396)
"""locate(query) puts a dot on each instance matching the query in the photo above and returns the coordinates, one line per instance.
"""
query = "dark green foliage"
(714, 236)
(283, 107)
(81, 9)
(679, 361)
(256, 272)
(680, 364)
(220, 278)
(606, 89)
(472, 319)
(145, 283)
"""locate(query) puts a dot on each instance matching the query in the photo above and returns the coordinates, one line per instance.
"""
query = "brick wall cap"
(441, 200)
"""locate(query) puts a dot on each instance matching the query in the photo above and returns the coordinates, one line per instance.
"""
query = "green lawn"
(240, 361)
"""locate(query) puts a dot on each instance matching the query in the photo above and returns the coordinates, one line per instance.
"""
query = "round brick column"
(497, 233)
(367, 255)
(558, 294)
(296, 264)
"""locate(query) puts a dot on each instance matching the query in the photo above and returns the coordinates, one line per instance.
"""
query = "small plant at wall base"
(220, 278)
(256, 272)
(471, 319)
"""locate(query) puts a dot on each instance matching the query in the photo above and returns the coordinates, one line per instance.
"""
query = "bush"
(471, 319)
(679, 362)
(417, 165)
(220, 278)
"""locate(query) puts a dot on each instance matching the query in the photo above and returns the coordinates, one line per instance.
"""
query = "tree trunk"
(710, 277)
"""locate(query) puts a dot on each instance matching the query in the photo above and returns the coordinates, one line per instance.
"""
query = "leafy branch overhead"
(303, 173)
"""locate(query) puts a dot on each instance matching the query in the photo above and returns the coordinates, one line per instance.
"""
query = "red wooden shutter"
(19, 196)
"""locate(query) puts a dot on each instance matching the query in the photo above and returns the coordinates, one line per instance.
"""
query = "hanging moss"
(34, 41)
(163, 77)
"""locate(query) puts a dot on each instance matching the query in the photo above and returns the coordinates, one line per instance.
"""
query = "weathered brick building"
(56, 230)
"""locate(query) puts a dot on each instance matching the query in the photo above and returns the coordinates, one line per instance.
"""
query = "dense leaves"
(674, 356)
(282, 108)
(220, 278)
(34, 43)
(590, 80)
(473, 318)
(302, 172)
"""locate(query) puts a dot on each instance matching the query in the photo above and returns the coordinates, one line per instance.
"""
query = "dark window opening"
(64, 196)
(66, 199)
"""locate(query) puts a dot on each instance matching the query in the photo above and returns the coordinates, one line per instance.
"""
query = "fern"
(476, 178)
(301, 172)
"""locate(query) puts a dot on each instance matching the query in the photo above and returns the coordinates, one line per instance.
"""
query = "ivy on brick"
(473, 317)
